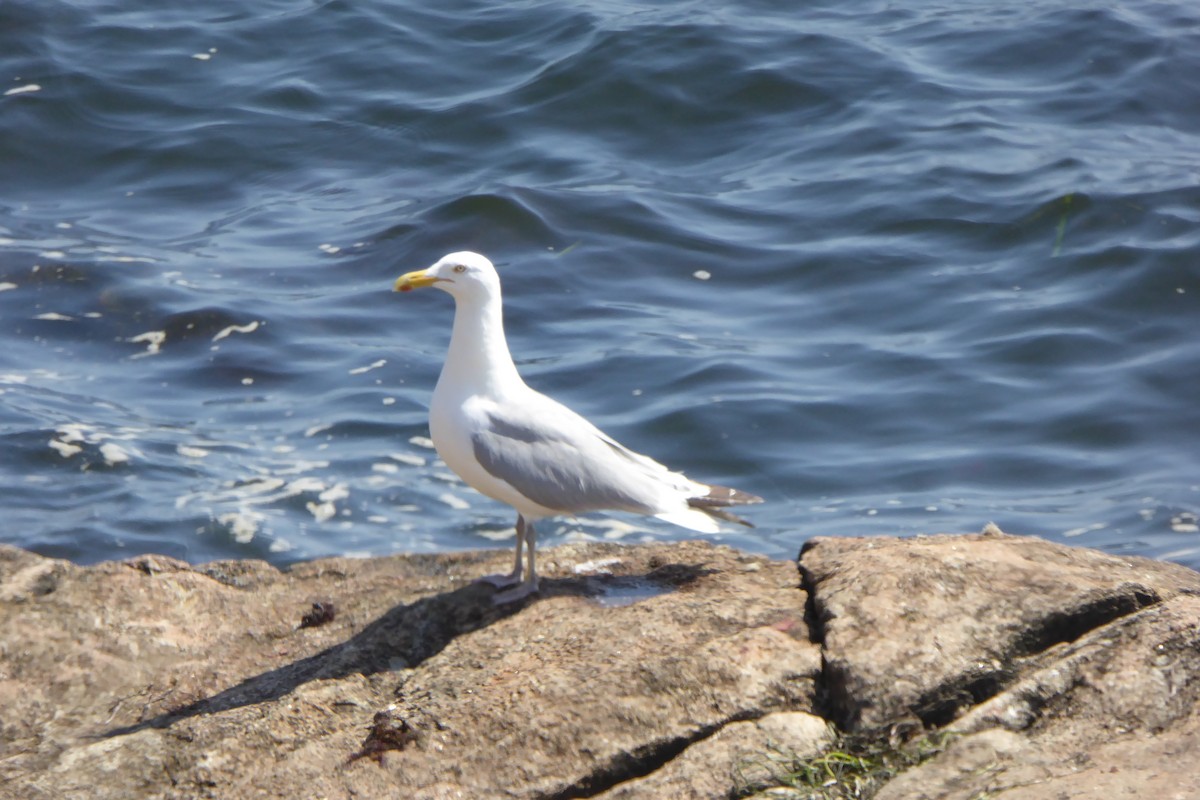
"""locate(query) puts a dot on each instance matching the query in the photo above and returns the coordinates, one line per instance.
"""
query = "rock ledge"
(640, 672)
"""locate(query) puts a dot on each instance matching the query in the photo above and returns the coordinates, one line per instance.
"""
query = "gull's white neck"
(478, 362)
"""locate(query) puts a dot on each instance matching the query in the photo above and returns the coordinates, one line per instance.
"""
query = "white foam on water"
(243, 525)
(1081, 530)
(153, 341)
(373, 365)
(114, 454)
(454, 501)
(65, 449)
(322, 512)
(249, 327)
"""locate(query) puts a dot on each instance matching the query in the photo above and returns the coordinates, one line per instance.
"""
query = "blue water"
(898, 268)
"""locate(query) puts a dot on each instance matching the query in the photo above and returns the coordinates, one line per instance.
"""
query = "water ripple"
(899, 269)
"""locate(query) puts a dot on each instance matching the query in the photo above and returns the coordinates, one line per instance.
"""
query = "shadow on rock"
(409, 634)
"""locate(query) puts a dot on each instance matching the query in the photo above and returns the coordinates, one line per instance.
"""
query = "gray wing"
(559, 460)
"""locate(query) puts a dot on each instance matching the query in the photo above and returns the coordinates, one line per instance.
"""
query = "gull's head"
(464, 275)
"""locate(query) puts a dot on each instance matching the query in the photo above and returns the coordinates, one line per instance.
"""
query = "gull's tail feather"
(717, 498)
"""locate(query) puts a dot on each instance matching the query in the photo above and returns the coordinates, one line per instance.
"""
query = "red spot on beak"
(406, 288)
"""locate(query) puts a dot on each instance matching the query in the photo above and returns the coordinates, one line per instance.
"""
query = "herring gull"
(520, 447)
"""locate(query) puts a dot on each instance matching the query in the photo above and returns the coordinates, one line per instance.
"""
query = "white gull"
(520, 447)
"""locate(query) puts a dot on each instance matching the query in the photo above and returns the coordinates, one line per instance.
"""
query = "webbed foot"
(500, 581)
(519, 592)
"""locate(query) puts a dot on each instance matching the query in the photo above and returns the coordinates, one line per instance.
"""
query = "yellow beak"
(414, 280)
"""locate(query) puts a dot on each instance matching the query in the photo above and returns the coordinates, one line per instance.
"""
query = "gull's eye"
(460, 269)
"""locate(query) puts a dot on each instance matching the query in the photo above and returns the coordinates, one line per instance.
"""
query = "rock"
(1113, 714)
(921, 629)
(1060, 672)
(684, 670)
(752, 752)
(152, 678)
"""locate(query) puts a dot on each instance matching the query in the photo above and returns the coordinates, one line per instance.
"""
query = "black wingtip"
(728, 516)
(718, 498)
(722, 496)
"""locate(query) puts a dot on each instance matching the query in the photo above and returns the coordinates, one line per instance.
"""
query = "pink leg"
(529, 585)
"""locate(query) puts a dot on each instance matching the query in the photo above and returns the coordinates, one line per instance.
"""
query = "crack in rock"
(922, 630)
(643, 761)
